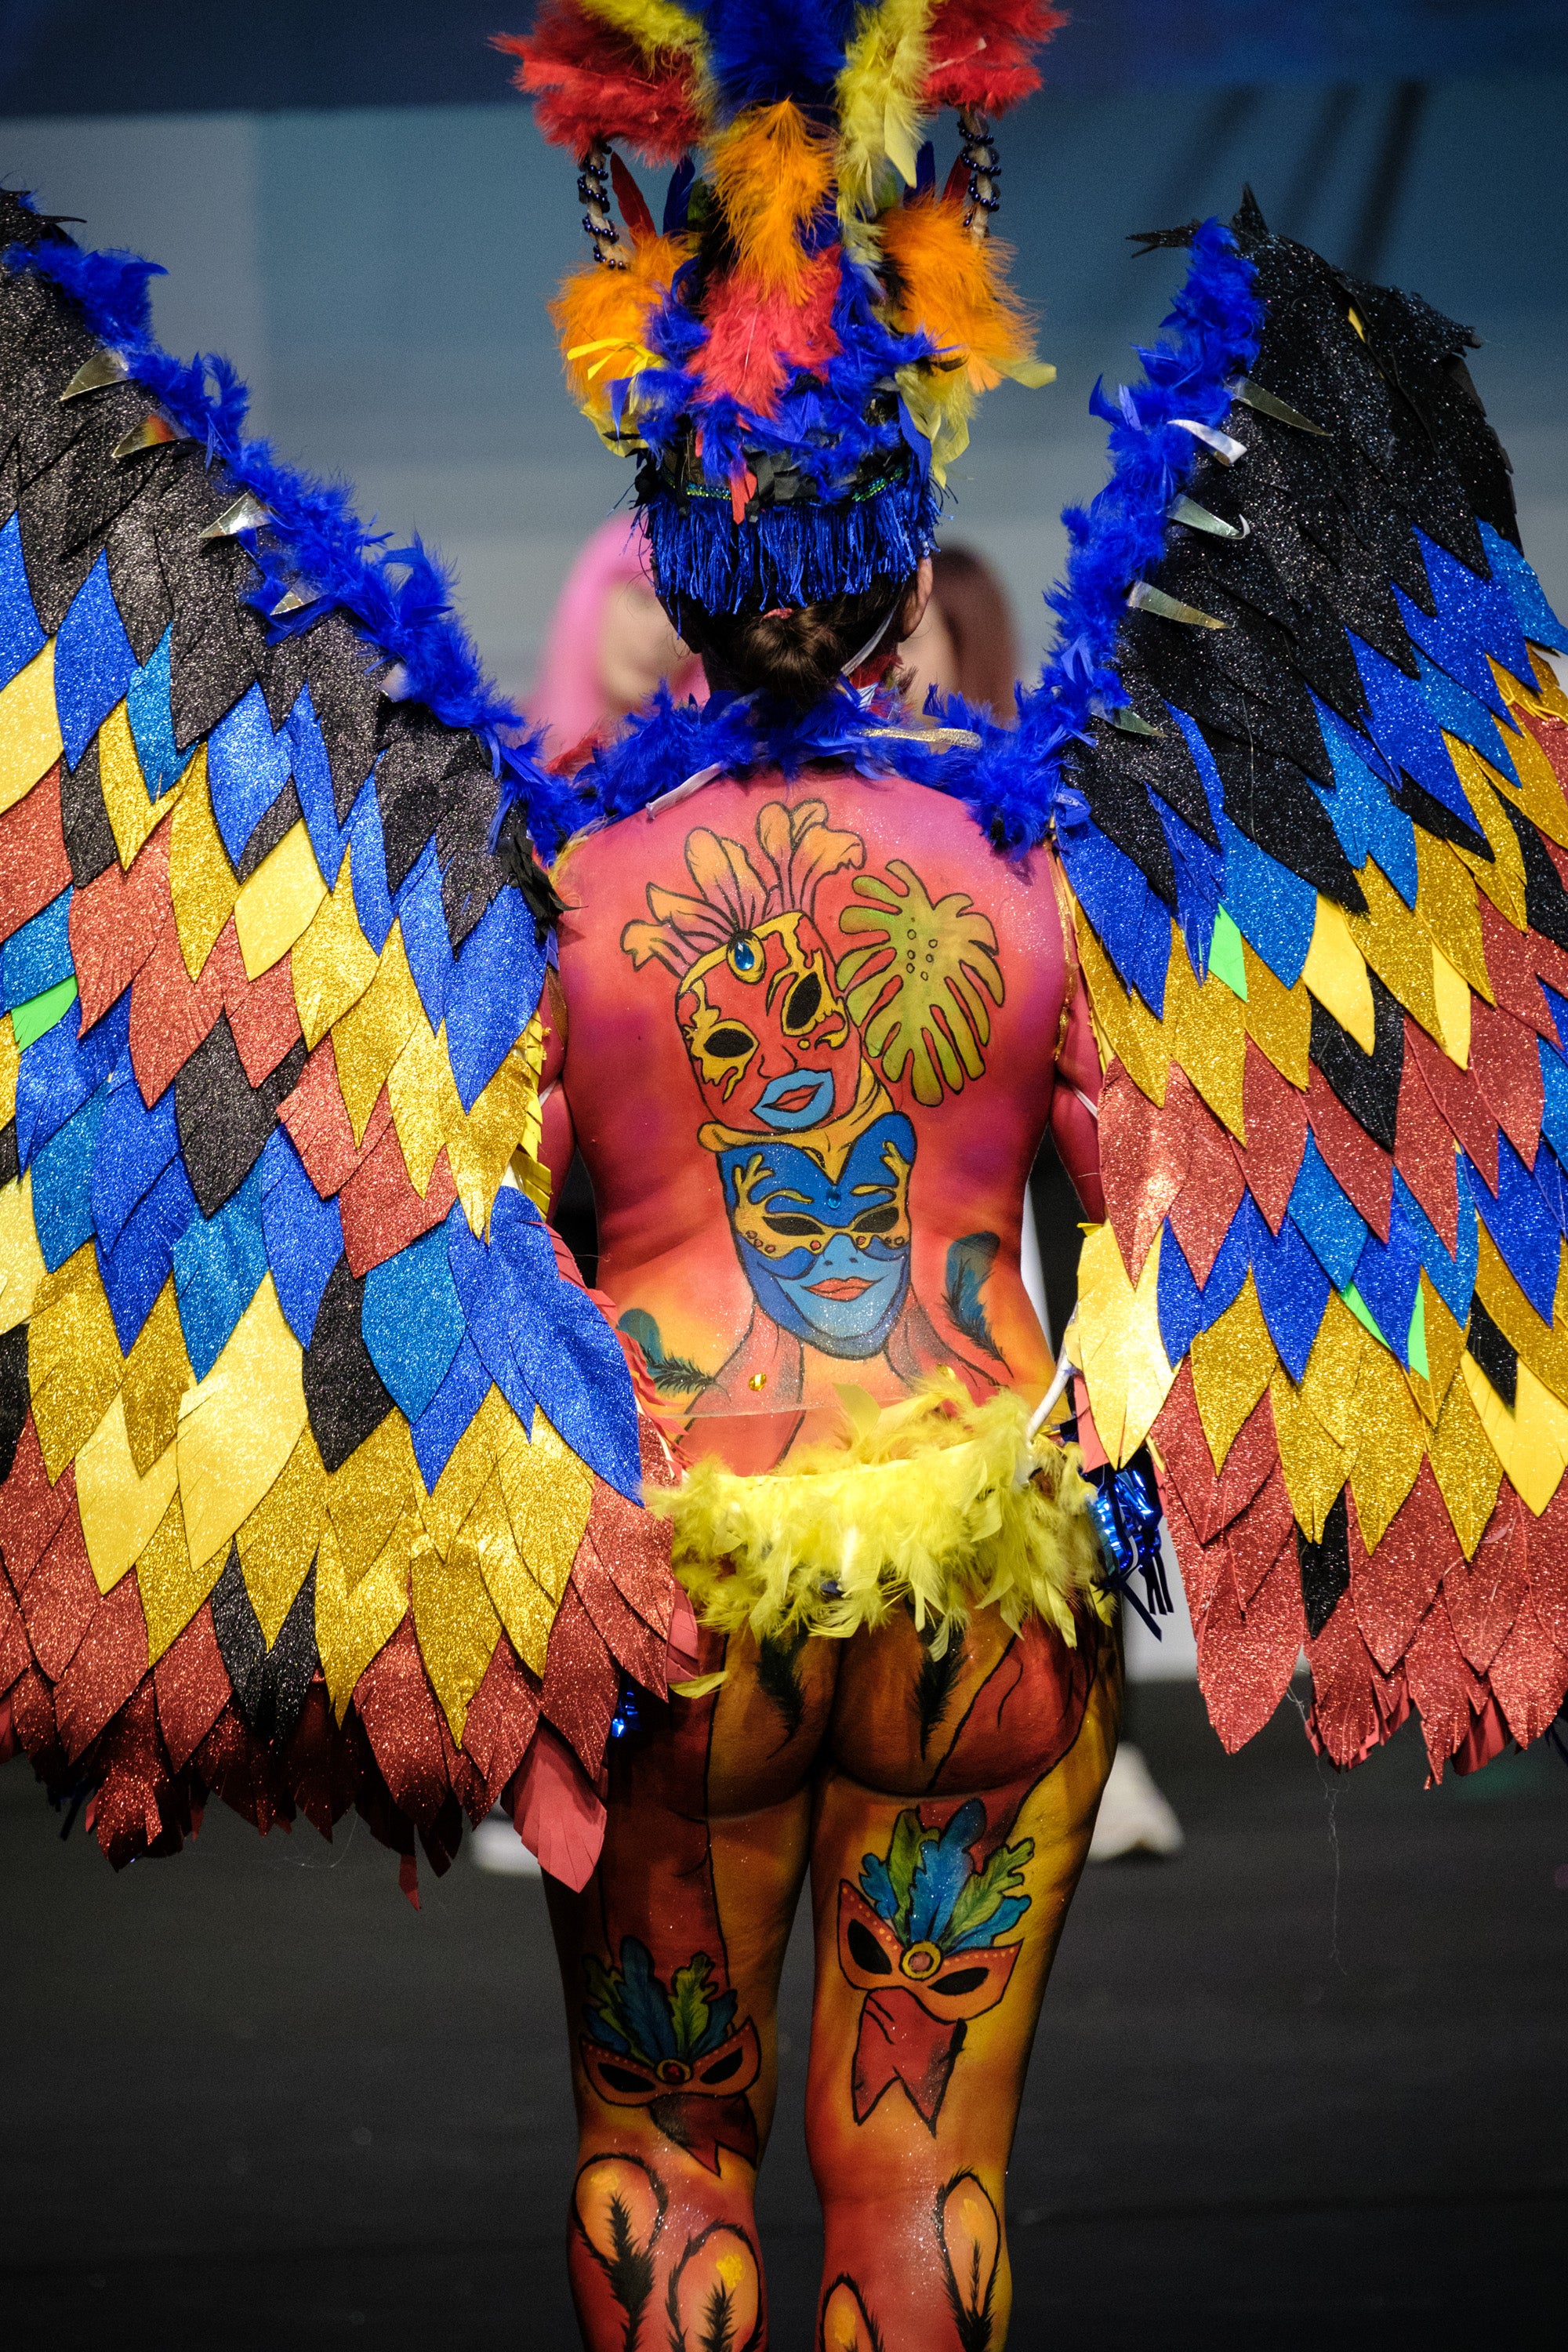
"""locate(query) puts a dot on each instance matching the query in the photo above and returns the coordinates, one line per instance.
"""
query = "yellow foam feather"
(1124, 1026)
(132, 817)
(10, 1063)
(1206, 1030)
(157, 1375)
(354, 1621)
(1530, 1438)
(1540, 795)
(1445, 908)
(368, 1038)
(1396, 949)
(171, 1585)
(29, 727)
(333, 963)
(1233, 1362)
(1278, 1019)
(938, 1505)
(74, 1364)
(120, 1510)
(202, 885)
(278, 1542)
(1335, 972)
(1451, 1004)
(1389, 1443)
(1542, 1346)
(1501, 875)
(1466, 1466)
(370, 1493)
(548, 1493)
(1120, 1346)
(878, 98)
(276, 906)
(457, 1626)
(238, 1426)
(773, 170)
(22, 1268)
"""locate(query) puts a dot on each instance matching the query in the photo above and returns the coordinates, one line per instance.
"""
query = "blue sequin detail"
(248, 767)
(1331, 1227)
(152, 720)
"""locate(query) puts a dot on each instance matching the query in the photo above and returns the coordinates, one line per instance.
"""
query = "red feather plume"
(982, 52)
(588, 82)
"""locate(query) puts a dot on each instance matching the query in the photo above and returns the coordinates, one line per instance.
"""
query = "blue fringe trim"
(400, 598)
(796, 553)
(1012, 782)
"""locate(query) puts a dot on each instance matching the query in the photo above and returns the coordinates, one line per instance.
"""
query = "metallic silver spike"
(1226, 449)
(104, 368)
(243, 513)
(1197, 518)
(1127, 721)
(153, 433)
(293, 600)
(1267, 403)
(1145, 599)
(935, 739)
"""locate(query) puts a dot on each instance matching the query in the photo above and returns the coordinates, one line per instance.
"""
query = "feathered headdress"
(794, 354)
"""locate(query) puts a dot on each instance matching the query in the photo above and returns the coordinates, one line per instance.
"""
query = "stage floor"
(1302, 2087)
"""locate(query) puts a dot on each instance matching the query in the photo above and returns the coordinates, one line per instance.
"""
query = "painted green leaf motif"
(689, 1990)
(903, 1861)
(605, 1997)
(987, 1890)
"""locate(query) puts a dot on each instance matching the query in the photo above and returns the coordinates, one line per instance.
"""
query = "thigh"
(951, 1825)
(670, 1959)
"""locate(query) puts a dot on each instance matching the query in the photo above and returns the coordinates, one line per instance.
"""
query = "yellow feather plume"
(601, 316)
(937, 1504)
(653, 24)
(879, 118)
(772, 169)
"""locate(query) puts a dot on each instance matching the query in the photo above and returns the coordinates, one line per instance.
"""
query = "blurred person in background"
(608, 647)
(966, 643)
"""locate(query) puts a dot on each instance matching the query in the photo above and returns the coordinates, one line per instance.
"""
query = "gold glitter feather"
(355, 1621)
(278, 1542)
(333, 965)
(369, 1035)
(74, 1364)
(457, 1626)
(157, 1375)
(1233, 1362)
(202, 885)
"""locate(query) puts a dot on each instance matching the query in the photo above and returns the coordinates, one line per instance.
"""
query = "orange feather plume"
(951, 288)
(773, 171)
(601, 317)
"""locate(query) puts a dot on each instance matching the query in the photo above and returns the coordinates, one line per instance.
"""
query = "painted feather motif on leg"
(1315, 826)
(323, 1476)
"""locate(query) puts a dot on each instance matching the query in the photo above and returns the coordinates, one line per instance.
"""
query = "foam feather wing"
(1314, 822)
(321, 1474)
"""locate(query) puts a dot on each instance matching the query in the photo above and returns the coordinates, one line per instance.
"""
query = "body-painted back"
(810, 1029)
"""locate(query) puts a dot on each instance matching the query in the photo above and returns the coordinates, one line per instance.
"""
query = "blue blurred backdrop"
(351, 204)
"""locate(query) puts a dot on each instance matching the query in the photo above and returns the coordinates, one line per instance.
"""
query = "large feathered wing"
(1314, 822)
(323, 1476)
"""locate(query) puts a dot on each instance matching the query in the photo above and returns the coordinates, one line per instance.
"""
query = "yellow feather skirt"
(936, 1503)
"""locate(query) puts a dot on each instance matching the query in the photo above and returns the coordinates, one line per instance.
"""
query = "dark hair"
(795, 653)
(973, 604)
